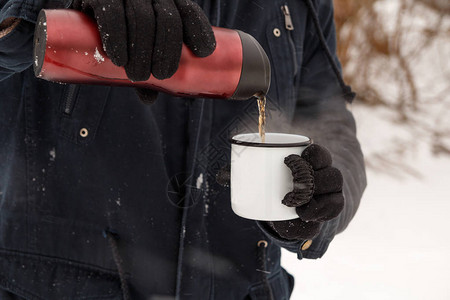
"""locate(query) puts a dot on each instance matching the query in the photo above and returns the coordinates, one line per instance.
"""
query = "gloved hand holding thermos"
(145, 38)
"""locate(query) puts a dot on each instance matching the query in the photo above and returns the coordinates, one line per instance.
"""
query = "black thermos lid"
(255, 74)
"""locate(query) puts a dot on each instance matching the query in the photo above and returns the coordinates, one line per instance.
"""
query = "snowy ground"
(398, 244)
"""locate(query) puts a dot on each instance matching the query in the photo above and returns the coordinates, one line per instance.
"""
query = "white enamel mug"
(259, 178)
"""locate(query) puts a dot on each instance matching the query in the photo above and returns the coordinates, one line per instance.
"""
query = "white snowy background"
(398, 244)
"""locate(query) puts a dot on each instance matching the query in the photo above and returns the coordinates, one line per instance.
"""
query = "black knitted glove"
(317, 194)
(145, 36)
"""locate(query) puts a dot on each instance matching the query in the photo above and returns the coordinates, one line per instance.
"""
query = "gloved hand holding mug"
(317, 194)
(146, 36)
(317, 199)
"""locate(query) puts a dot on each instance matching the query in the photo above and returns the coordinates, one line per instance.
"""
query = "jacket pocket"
(281, 283)
(81, 111)
(35, 277)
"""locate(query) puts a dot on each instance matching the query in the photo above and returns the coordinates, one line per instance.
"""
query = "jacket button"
(276, 32)
(84, 132)
(306, 245)
(263, 243)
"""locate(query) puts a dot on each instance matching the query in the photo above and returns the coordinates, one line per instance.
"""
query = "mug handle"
(303, 177)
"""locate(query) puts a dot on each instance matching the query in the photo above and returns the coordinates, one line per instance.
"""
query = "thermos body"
(68, 49)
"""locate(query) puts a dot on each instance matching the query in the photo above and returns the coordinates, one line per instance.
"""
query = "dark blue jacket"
(147, 173)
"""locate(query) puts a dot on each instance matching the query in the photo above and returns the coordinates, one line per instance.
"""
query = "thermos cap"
(255, 74)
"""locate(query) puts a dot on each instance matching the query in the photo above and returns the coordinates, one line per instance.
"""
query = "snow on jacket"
(79, 160)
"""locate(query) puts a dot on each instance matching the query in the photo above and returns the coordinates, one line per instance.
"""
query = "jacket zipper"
(287, 17)
(69, 100)
(290, 27)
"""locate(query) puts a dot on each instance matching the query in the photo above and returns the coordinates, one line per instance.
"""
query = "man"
(104, 197)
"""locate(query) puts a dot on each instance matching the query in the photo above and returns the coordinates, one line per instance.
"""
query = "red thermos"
(68, 48)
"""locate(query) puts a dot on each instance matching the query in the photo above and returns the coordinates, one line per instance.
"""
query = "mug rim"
(270, 145)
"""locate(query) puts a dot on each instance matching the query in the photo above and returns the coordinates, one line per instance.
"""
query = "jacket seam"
(271, 277)
(62, 261)
(18, 290)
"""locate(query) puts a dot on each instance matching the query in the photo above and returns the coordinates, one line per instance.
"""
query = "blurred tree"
(395, 55)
